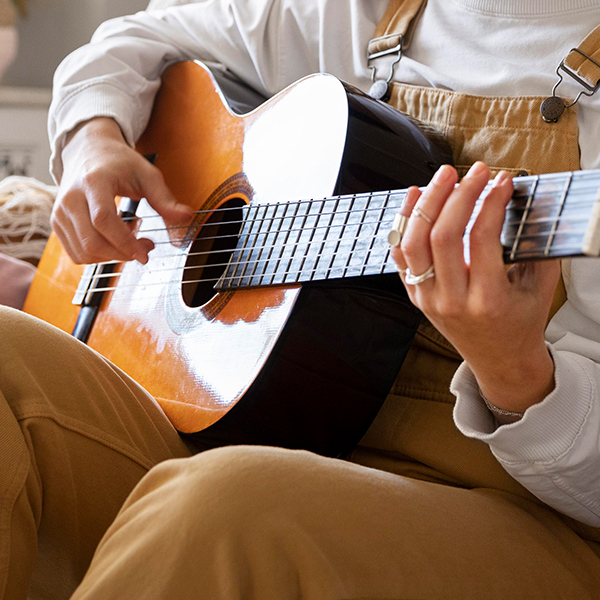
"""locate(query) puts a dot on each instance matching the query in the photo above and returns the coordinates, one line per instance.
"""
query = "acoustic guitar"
(276, 315)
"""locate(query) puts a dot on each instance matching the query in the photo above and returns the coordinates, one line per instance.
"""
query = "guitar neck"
(549, 216)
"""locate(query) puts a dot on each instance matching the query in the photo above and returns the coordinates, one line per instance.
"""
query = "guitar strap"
(508, 133)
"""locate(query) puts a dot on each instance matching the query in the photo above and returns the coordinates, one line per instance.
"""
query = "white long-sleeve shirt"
(483, 47)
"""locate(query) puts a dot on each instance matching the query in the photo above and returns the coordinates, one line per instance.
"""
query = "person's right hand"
(98, 166)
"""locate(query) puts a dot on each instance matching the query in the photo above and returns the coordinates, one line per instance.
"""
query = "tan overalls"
(436, 518)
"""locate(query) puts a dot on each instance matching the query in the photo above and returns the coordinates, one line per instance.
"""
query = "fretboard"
(549, 216)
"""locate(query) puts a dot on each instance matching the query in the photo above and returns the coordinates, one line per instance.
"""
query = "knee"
(230, 488)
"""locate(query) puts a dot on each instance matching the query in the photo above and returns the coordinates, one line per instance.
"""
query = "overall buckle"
(379, 47)
(553, 107)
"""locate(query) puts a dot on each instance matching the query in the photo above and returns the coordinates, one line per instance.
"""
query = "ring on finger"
(420, 213)
(412, 279)
(397, 231)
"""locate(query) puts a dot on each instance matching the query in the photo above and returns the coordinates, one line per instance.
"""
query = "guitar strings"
(564, 217)
(239, 278)
(512, 207)
(252, 261)
(325, 241)
(340, 228)
(294, 245)
(519, 192)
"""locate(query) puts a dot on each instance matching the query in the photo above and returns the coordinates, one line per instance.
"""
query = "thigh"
(267, 523)
(76, 435)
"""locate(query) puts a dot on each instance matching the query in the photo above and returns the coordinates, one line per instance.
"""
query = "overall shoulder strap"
(583, 63)
(397, 26)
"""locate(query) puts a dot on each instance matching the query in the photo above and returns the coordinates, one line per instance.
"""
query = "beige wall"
(53, 29)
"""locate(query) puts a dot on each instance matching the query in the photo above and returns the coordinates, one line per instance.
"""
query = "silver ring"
(419, 213)
(397, 231)
(412, 279)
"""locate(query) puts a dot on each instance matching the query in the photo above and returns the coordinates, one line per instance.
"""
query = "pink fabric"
(15, 278)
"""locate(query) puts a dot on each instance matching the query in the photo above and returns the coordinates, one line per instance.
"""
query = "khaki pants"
(76, 436)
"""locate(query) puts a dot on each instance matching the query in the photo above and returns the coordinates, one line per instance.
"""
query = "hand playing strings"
(98, 166)
(494, 317)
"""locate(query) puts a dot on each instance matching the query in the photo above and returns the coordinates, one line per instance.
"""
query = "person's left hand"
(494, 317)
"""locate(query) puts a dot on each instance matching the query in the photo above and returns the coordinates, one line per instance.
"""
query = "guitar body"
(301, 366)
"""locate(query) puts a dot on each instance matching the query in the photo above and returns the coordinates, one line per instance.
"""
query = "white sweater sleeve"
(118, 73)
(554, 450)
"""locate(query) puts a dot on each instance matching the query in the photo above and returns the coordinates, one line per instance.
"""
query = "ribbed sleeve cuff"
(98, 99)
(546, 431)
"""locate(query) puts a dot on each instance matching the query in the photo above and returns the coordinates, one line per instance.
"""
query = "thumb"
(161, 199)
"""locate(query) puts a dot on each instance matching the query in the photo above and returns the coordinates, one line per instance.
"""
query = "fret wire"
(294, 245)
(253, 232)
(324, 240)
(260, 248)
(355, 239)
(276, 244)
(270, 241)
(524, 217)
(387, 253)
(304, 229)
(244, 249)
(230, 273)
(284, 246)
(311, 235)
(372, 242)
(340, 238)
(533, 236)
(234, 262)
(558, 214)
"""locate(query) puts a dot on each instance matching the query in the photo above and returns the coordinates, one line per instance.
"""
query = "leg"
(271, 524)
(76, 435)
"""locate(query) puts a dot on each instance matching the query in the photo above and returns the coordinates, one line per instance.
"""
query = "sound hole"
(210, 252)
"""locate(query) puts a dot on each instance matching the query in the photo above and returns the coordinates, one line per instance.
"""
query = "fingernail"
(501, 178)
(477, 169)
(442, 174)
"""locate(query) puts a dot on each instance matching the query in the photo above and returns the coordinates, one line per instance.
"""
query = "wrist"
(104, 126)
(89, 134)
(516, 387)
